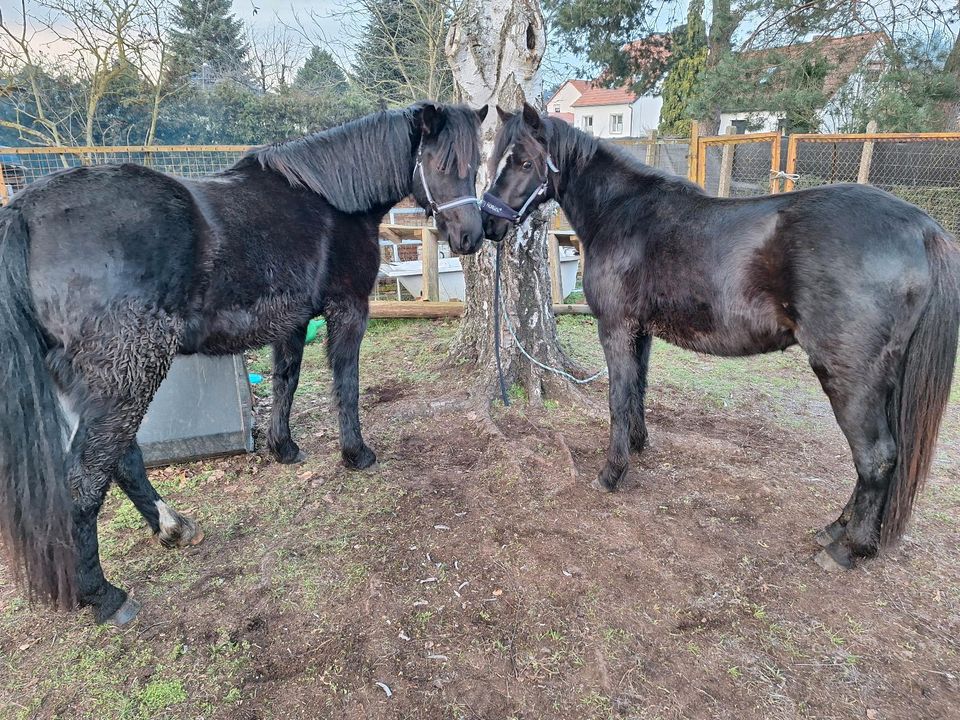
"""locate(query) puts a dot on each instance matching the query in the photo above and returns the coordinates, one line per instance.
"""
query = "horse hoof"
(291, 458)
(186, 534)
(126, 613)
(599, 484)
(190, 534)
(834, 559)
(610, 477)
(830, 534)
(823, 538)
(287, 453)
(359, 460)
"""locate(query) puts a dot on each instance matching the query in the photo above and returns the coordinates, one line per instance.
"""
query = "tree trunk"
(723, 25)
(495, 48)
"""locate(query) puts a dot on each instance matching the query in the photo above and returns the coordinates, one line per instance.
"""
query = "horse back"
(108, 234)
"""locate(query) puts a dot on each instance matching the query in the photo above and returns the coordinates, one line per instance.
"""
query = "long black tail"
(925, 386)
(35, 502)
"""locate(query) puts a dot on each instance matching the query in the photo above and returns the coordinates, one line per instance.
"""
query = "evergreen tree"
(206, 33)
(681, 84)
(321, 74)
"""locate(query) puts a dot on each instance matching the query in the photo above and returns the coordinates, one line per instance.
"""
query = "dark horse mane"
(574, 149)
(382, 145)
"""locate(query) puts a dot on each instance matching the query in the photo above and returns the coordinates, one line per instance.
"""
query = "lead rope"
(496, 326)
(496, 341)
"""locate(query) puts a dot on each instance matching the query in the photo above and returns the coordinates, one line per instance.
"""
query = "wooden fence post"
(556, 279)
(430, 264)
(866, 157)
(651, 158)
(693, 153)
(726, 166)
(775, 165)
(789, 184)
(4, 199)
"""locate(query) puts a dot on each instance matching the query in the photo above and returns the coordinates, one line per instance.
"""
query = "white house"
(855, 64)
(605, 112)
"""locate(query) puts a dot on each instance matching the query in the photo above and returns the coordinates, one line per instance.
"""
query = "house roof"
(605, 96)
(844, 55)
(566, 117)
(580, 85)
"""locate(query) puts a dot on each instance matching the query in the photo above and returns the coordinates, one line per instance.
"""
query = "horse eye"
(527, 164)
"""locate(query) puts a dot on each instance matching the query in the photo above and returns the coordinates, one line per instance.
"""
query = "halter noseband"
(434, 208)
(492, 205)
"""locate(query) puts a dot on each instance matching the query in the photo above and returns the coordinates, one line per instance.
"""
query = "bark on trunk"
(495, 48)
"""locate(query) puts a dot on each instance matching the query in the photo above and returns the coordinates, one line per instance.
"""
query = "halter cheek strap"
(436, 209)
(492, 205)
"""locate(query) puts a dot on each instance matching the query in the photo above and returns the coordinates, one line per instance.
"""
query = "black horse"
(107, 273)
(864, 282)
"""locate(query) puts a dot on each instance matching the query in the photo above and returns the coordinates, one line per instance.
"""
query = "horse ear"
(530, 116)
(482, 112)
(504, 115)
(432, 119)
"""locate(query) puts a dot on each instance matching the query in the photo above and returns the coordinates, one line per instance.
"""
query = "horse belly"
(730, 336)
(232, 330)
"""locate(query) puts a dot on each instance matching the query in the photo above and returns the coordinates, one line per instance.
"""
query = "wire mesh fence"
(923, 169)
(738, 165)
(21, 166)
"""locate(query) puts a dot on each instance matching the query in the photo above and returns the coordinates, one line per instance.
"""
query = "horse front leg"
(287, 357)
(346, 324)
(617, 337)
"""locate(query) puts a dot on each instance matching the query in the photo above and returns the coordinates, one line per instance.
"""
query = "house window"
(556, 108)
(616, 124)
(588, 124)
(739, 126)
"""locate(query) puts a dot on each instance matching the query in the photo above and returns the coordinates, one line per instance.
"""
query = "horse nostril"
(466, 241)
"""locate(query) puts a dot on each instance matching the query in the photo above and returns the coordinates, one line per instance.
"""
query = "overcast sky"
(321, 17)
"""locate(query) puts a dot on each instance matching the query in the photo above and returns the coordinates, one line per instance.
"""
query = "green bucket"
(315, 326)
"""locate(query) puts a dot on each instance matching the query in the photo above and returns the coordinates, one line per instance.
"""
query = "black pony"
(107, 273)
(864, 282)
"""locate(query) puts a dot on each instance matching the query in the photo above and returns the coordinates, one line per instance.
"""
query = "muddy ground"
(474, 573)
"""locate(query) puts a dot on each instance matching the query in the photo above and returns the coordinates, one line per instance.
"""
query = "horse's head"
(445, 172)
(521, 168)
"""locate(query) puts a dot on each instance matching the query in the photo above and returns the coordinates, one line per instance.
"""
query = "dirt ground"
(474, 573)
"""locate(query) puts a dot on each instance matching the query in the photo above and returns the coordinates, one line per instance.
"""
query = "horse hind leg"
(109, 374)
(862, 416)
(173, 529)
(834, 531)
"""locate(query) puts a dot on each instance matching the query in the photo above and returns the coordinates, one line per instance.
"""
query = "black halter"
(492, 205)
(432, 205)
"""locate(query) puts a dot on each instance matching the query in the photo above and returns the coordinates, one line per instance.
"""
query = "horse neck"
(588, 189)
(601, 186)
